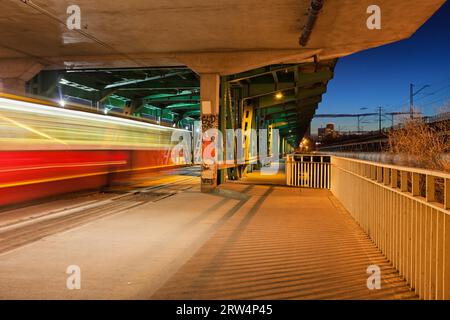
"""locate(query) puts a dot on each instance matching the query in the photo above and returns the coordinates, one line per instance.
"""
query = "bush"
(418, 144)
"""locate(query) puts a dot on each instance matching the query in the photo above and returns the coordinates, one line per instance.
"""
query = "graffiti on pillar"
(209, 163)
(210, 121)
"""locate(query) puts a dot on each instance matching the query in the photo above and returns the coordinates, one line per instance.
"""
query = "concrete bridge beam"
(14, 73)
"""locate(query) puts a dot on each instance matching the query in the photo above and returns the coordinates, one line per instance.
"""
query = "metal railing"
(310, 171)
(405, 211)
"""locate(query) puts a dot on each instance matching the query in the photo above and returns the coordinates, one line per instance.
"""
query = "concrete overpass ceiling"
(158, 49)
(160, 26)
(221, 36)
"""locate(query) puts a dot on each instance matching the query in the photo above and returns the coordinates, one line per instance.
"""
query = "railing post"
(386, 172)
(446, 194)
(379, 174)
(394, 178)
(430, 188)
(288, 170)
(403, 181)
(446, 259)
(415, 186)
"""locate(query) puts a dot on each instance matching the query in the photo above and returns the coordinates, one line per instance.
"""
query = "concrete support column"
(14, 73)
(209, 107)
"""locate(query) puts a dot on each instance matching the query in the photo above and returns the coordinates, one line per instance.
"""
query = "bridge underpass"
(231, 245)
(212, 231)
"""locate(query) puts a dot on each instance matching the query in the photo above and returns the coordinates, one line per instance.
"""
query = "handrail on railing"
(420, 183)
(405, 211)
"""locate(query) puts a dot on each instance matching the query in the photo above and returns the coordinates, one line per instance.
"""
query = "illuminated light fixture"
(105, 111)
(76, 85)
(279, 95)
(187, 128)
(174, 125)
(62, 103)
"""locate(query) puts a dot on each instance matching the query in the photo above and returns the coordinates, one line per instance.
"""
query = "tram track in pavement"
(18, 234)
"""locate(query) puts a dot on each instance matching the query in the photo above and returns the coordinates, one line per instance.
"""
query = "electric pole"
(359, 129)
(411, 101)
(379, 118)
(411, 98)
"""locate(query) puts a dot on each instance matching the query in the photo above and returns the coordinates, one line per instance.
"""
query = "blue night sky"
(381, 76)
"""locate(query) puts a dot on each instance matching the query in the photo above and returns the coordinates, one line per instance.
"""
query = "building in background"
(326, 133)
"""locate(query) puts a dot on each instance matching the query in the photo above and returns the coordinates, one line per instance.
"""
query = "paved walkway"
(285, 243)
(248, 241)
